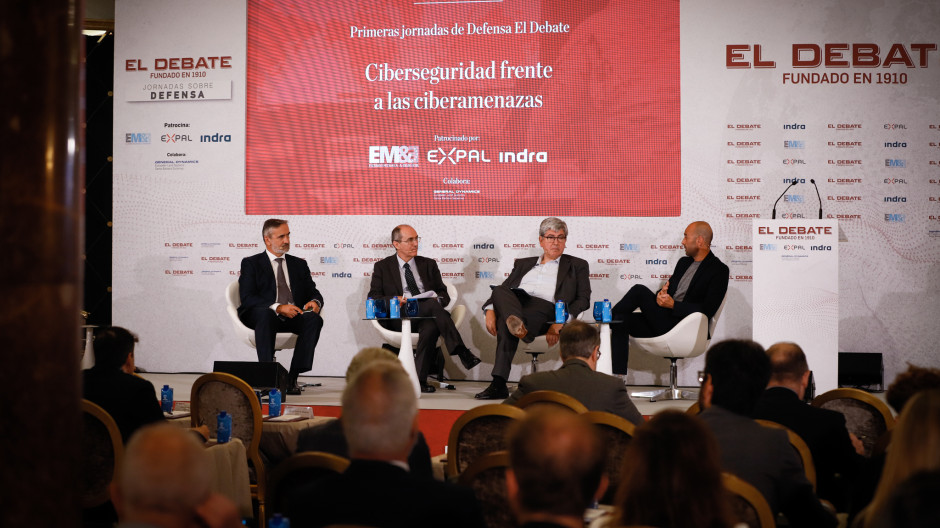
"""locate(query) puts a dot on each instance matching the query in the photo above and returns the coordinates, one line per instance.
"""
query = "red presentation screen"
(463, 108)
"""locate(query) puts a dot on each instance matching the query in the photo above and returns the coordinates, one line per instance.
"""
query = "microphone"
(773, 214)
(817, 197)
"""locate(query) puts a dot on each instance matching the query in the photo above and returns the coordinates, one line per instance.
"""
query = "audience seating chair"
(748, 505)
(458, 312)
(479, 431)
(695, 409)
(866, 416)
(229, 474)
(688, 339)
(247, 335)
(487, 477)
(550, 399)
(617, 433)
(218, 391)
(300, 469)
(799, 445)
(102, 450)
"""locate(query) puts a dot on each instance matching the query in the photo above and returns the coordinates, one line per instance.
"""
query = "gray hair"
(271, 224)
(379, 408)
(578, 339)
(553, 224)
(165, 470)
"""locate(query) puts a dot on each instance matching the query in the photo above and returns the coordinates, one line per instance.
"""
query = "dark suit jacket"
(257, 284)
(329, 438)
(823, 431)
(573, 285)
(707, 289)
(379, 494)
(764, 458)
(130, 400)
(597, 391)
(386, 278)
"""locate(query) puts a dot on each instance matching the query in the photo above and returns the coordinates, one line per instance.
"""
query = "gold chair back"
(806, 457)
(300, 469)
(487, 477)
(617, 433)
(866, 416)
(102, 450)
(748, 504)
(479, 431)
(550, 399)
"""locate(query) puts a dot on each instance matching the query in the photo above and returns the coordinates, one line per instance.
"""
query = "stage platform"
(460, 399)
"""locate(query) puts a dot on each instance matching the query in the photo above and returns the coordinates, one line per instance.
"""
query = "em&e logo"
(768, 247)
(383, 156)
(137, 138)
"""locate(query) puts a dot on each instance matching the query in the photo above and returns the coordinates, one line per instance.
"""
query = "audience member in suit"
(278, 295)
(736, 374)
(577, 377)
(523, 306)
(698, 284)
(380, 419)
(837, 454)
(672, 476)
(407, 274)
(915, 447)
(111, 383)
(328, 437)
(164, 482)
(556, 469)
(904, 386)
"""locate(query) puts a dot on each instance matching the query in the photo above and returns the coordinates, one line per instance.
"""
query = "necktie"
(283, 290)
(410, 279)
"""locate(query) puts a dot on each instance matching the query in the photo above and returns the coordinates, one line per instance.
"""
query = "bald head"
(165, 473)
(697, 240)
(788, 367)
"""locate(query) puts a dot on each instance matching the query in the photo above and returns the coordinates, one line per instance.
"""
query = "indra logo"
(341, 275)
(895, 163)
(215, 138)
(793, 198)
(137, 138)
(896, 199)
(794, 180)
(768, 247)
(793, 144)
(820, 248)
(662, 262)
(794, 126)
(895, 144)
(395, 156)
(484, 246)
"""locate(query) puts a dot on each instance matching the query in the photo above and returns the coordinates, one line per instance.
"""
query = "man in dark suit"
(698, 284)
(556, 469)
(580, 350)
(111, 383)
(836, 452)
(523, 306)
(736, 372)
(278, 295)
(380, 420)
(407, 273)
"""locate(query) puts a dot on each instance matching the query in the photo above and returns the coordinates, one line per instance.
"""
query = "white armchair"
(247, 335)
(689, 338)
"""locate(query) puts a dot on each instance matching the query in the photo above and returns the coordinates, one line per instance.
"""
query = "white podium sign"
(796, 291)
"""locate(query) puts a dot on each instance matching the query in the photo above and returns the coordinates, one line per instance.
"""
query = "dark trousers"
(653, 320)
(536, 313)
(428, 331)
(267, 324)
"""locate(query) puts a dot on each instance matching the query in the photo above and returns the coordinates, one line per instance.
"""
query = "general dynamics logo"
(393, 156)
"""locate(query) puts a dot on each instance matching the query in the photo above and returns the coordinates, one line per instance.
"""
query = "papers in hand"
(430, 294)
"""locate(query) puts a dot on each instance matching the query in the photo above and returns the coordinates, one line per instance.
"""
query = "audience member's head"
(736, 374)
(164, 481)
(365, 357)
(672, 476)
(114, 348)
(914, 503)
(556, 466)
(788, 367)
(578, 340)
(380, 412)
(915, 447)
(909, 382)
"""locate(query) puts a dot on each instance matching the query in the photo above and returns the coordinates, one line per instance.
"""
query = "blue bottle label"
(166, 399)
(274, 403)
(606, 315)
(561, 313)
(370, 308)
(224, 428)
(394, 308)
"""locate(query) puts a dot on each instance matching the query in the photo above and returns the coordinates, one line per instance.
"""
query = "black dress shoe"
(294, 389)
(427, 389)
(468, 359)
(493, 392)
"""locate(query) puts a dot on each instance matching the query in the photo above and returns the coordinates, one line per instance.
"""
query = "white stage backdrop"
(843, 93)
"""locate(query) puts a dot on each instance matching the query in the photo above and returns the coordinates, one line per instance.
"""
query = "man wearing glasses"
(405, 274)
(523, 306)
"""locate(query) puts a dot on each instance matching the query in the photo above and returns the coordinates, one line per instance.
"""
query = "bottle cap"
(166, 386)
(222, 414)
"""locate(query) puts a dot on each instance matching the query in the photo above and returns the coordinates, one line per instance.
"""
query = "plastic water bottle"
(274, 402)
(370, 308)
(166, 399)
(394, 308)
(223, 431)
(561, 313)
(606, 312)
(279, 521)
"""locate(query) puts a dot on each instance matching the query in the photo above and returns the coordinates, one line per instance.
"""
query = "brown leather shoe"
(516, 326)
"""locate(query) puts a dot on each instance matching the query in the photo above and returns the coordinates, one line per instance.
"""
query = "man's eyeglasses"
(412, 240)
(552, 238)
